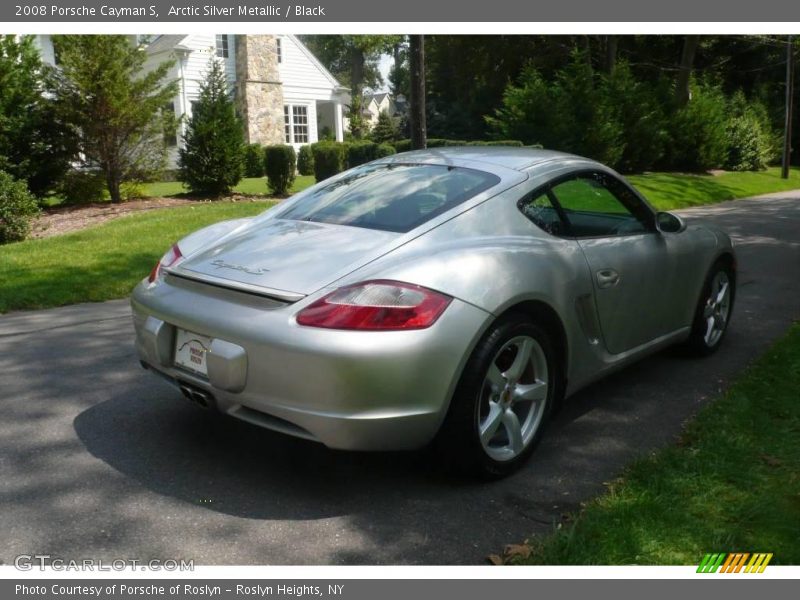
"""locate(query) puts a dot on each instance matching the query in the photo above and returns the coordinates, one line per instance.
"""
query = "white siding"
(305, 82)
(298, 70)
(45, 46)
(195, 64)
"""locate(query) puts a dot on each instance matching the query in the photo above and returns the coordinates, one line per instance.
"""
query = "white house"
(375, 104)
(282, 92)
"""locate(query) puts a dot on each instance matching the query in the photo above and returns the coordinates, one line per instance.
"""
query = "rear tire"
(503, 400)
(714, 309)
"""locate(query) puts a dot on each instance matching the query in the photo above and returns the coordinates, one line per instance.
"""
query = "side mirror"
(669, 223)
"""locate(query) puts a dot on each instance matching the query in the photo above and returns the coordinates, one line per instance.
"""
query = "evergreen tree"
(385, 129)
(212, 159)
(36, 146)
(117, 107)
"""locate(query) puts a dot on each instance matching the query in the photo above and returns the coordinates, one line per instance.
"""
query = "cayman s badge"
(221, 264)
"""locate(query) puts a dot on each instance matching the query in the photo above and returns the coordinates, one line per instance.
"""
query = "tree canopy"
(117, 106)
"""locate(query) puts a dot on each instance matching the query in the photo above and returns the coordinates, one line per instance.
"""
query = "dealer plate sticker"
(191, 350)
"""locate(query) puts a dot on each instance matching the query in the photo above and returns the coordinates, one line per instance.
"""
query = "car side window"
(596, 204)
(541, 211)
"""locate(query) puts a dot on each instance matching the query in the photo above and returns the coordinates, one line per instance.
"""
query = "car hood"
(285, 258)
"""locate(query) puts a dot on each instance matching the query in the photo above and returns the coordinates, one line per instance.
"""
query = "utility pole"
(787, 131)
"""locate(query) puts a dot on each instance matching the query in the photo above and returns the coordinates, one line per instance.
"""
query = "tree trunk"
(682, 89)
(419, 136)
(113, 185)
(787, 130)
(356, 92)
(586, 46)
(611, 53)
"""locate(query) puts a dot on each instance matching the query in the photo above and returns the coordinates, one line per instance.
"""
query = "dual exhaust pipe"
(196, 396)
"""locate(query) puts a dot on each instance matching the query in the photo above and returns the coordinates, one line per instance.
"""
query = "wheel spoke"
(496, 378)
(710, 328)
(514, 430)
(492, 421)
(723, 290)
(534, 392)
(521, 361)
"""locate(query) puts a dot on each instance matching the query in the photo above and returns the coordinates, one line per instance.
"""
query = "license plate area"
(191, 351)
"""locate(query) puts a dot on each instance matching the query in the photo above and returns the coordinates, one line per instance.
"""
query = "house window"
(170, 134)
(278, 47)
(295, 123)
(222, 45)
(300, 114)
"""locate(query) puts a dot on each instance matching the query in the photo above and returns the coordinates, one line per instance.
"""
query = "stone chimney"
(259, 91)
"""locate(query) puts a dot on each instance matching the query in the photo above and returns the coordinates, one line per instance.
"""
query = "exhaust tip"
(197, 397)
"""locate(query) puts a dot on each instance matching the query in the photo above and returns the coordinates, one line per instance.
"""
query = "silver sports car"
(453, 296)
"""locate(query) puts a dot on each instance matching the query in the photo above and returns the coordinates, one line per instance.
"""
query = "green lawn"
(251, 186)
(101, 262)
(731, 484)
(668, 191)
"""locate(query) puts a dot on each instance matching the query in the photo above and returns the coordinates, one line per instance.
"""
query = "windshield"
(396, 197)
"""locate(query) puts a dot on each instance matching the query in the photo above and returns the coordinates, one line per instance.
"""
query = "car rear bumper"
(346, 389)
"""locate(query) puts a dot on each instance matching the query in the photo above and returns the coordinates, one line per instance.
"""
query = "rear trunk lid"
(285, 259)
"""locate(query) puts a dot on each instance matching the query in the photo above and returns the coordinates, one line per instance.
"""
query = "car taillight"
(173, 256)
(376, 306)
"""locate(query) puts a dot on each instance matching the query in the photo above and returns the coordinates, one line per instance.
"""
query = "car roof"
(505, 157)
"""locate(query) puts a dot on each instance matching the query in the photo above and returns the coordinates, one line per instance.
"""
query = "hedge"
(18, 208)
(330, 158)
(405, 145)
(359, 153)
(305, 160)
(253, 160)
(280, 163)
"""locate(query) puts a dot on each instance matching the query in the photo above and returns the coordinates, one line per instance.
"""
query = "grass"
(731, 484)
(249, 186)
(670, 191)
(103, 262)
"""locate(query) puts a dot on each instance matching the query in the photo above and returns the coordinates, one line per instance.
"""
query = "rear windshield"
(397, 197)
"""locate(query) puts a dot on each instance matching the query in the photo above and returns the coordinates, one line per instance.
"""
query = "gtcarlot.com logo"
(735, 562)
(28, 562)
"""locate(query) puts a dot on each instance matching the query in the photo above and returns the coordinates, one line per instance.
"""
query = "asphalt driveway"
(99, 459)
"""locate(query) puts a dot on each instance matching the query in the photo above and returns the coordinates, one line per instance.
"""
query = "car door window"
(596, 204)
(540, 210)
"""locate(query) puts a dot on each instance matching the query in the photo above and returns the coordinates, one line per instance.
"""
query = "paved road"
(99, 459)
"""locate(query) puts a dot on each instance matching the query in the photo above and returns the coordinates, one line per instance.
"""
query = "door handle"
(607, 278)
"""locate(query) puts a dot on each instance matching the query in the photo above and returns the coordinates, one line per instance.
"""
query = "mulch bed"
(66, 219)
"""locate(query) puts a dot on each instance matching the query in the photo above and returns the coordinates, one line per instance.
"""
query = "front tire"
(503, 400)
(713, 311)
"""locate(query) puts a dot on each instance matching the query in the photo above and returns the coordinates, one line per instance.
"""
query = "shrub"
(511, 143)
(384, 150)
(18, 207)
(330, 158)
(253, 160)
(305, 160)
(82, 187)
(751, 141)
(699, 136)
(385, 129)
(402, 145)
(131, 190)
(359, 153)
(280, 163)
(641, 110)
